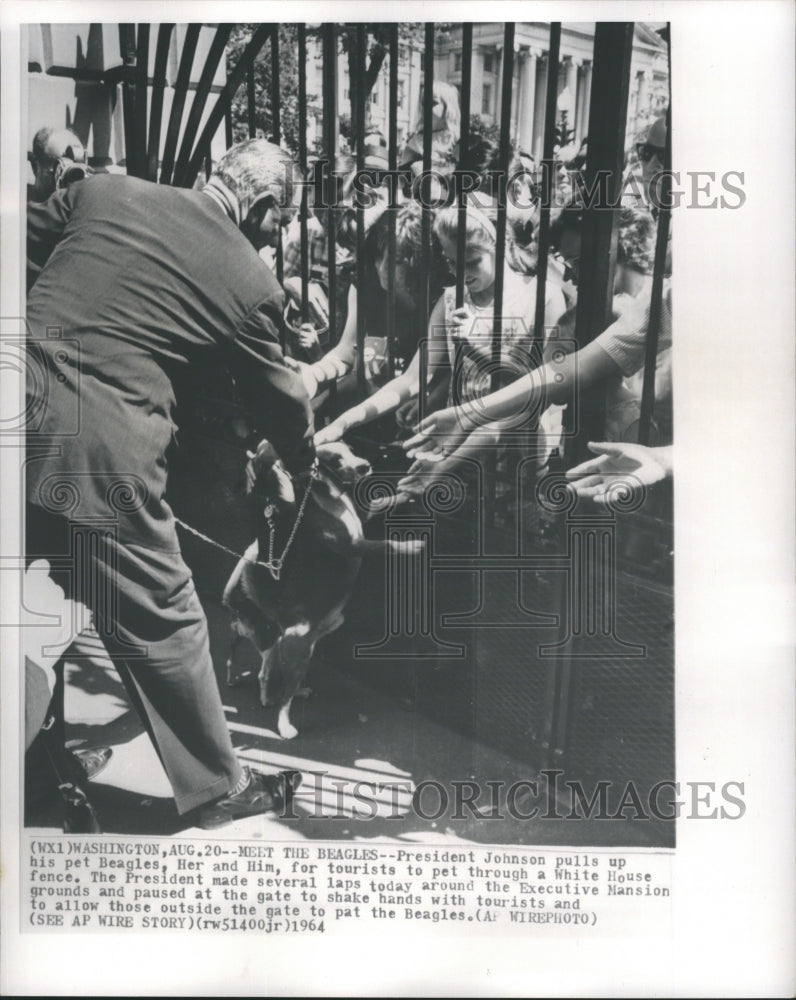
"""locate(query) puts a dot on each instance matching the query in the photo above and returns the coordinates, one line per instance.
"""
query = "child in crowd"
(409, 324)
(445, 125)
(459, 339)
(444, 439)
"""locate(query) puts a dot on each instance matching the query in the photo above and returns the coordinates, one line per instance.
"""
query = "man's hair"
(256, 169)
(40, 141)
(43, 136)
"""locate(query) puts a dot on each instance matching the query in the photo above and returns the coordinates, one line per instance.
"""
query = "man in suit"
(139, 284)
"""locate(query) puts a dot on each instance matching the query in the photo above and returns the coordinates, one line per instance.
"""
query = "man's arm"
(274, 394)
(47, 221)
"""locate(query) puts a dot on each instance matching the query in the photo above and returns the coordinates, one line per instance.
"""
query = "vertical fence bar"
(548, 176)
(302, 140)
(214, 56)
(428, 104)
(276, 126)
(141, 95)
(251, 106)
(128, 53)
(503, 169)
(329, 34)
(613, 47)
(464, 142)
(224, 102)
(659, 268)
(276, 117)
(359, 130)
(178, 103)
(461, 224)
(392, 164)
(504, 153)
(158, 88)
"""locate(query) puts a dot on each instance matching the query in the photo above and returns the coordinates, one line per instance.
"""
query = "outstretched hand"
(440, 433)
(631, 466)
(333, 432)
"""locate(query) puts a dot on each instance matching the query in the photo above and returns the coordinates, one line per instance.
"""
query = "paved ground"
(349, 732)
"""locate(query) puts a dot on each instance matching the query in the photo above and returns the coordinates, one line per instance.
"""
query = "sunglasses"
(645, 152)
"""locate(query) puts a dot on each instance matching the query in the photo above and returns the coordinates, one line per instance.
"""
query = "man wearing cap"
(140, 283)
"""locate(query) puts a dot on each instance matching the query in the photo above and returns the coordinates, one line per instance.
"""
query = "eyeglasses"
(646, 152)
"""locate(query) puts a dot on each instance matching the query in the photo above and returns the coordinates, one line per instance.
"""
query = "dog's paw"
(408, 547)
(285, 727)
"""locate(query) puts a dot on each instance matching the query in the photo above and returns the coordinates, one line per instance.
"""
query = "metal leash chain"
(274, 566)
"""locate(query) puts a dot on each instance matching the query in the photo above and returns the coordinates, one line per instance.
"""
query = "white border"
(733, 932)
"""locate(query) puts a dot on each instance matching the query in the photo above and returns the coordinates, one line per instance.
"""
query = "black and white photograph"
(353, 585)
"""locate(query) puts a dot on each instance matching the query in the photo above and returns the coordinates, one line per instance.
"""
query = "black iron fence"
(564, 690)
(610, 80)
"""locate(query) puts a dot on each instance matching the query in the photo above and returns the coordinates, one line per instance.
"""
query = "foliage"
(483, 130)
(288, 87)
(377, 41)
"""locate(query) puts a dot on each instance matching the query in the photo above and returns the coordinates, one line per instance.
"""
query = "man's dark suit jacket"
(143, 282)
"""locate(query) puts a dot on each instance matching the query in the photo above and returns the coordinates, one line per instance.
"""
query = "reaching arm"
(340, 359)
(389, 396)
(445, 430)
(622, 469)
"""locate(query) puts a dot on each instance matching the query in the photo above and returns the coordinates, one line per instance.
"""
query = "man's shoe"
(94, 760)
(263, 793)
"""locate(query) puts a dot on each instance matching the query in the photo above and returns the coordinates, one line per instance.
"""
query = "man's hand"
(630, 467)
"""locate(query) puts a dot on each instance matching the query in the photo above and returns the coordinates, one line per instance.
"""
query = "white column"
(477, 81)
(585, 103)
(571, 67)
(499, 85)
(538, 112)
(571, 85)
(527, 100)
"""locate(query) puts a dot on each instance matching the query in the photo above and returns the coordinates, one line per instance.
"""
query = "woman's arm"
(340, 359)
(389, 396)
(548, 384)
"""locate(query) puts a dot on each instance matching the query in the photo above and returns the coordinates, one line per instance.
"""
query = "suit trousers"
(148, 615)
